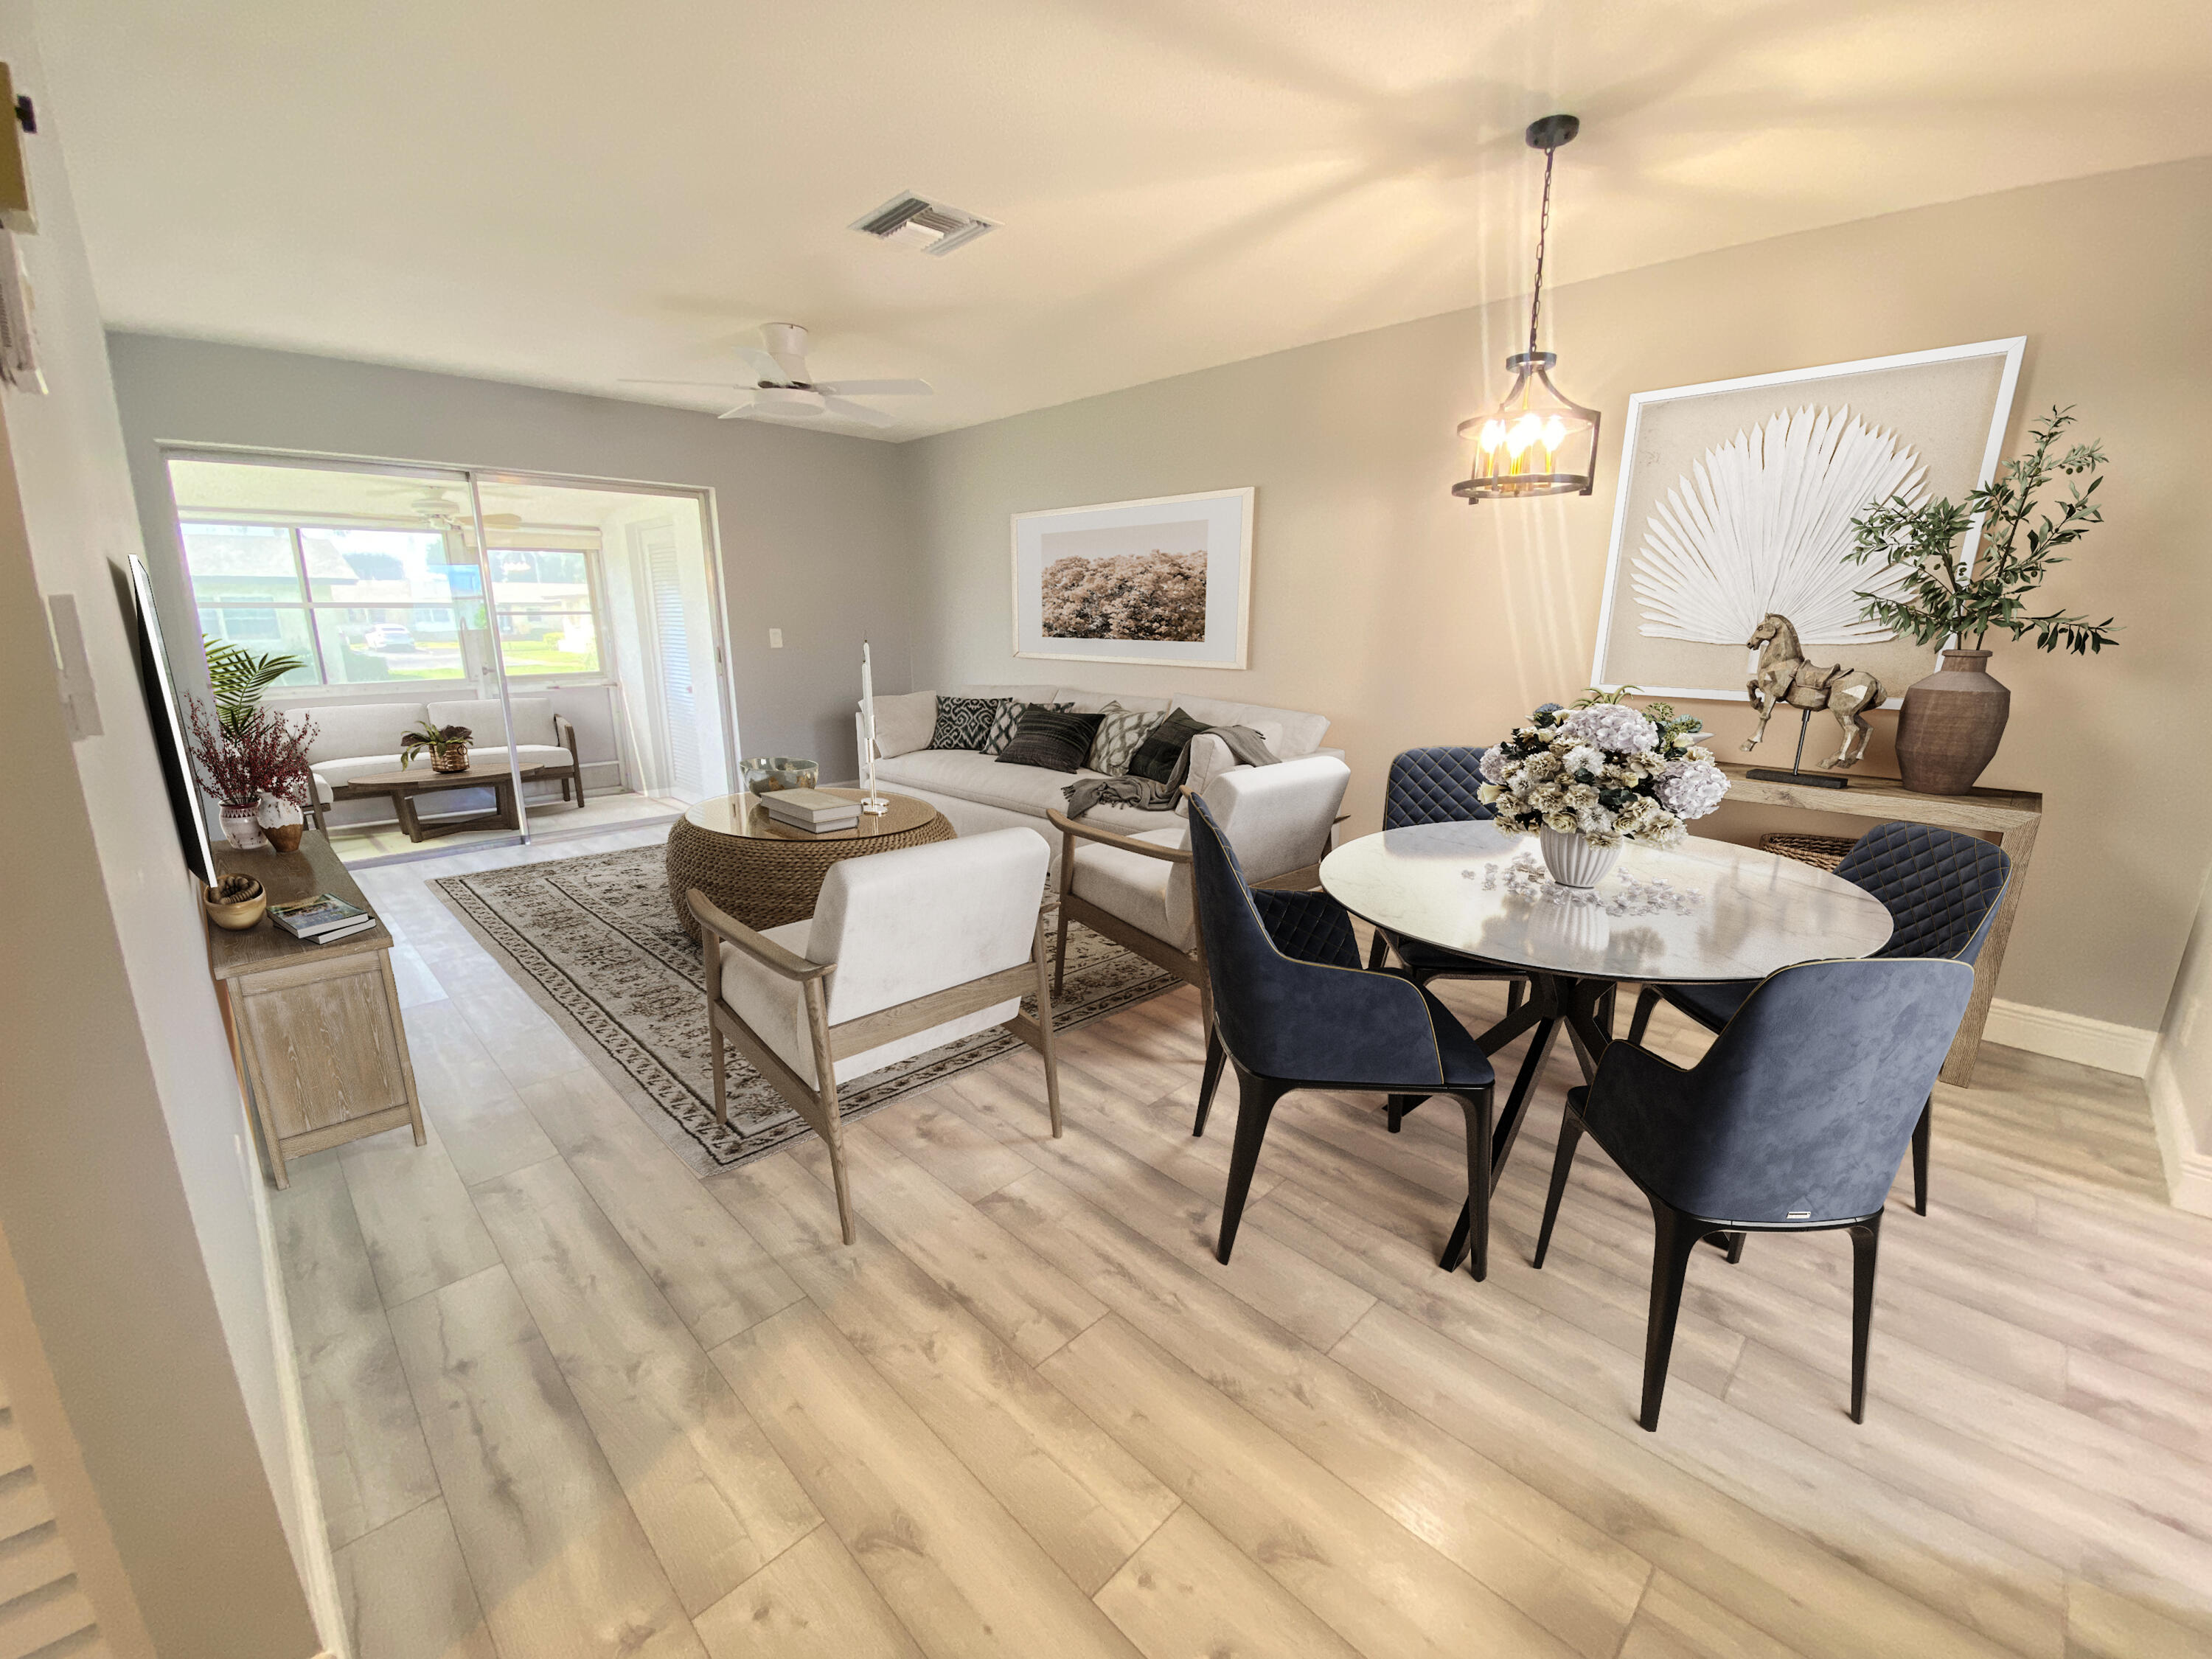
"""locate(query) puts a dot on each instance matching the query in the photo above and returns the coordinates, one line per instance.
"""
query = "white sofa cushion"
(344, 730)
(905, 723)
(487, 722)
(1018, 693)
(1289, 732)
(966, 775)
(899, 925)
(1090, 703)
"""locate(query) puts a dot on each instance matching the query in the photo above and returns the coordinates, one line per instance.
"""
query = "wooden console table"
(314, 1029)
(2008, 817)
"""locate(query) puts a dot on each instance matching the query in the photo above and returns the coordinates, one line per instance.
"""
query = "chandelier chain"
(1543, 228)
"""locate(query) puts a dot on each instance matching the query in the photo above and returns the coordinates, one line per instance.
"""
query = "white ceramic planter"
(1573, 861)
(242, 829)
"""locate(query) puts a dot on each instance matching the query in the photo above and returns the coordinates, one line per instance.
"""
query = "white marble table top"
(1757, 911)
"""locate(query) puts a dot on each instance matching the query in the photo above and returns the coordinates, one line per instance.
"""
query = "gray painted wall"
(813, 539)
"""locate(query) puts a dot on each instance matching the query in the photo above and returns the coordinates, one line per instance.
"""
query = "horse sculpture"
(1784, 677)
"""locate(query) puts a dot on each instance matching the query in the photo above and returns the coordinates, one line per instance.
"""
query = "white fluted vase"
(1573, 861)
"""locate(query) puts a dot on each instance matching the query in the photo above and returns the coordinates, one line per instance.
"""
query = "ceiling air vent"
(930, 226)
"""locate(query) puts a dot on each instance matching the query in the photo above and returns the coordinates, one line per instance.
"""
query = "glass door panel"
(366, 581)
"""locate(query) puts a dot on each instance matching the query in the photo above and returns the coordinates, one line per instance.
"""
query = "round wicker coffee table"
(765, 874)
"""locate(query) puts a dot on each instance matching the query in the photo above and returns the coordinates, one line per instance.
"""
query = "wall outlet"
(776, 638)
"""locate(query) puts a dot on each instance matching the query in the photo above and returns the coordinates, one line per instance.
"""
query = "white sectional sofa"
(354, 739)
(976, 792)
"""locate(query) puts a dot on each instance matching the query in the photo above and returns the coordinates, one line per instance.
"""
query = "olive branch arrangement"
(1946, 595)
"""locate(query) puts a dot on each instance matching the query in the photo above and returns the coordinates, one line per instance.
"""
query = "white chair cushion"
(1152, 895)
(905, 723)
(533, 719)
(1278, 818)
(345, 730)
(900, 926)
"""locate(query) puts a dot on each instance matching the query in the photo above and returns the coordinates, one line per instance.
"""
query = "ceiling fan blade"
(877, 389)
(502, 520)
(736, 412)
(717, 385)
(764, 368)
(858, 411)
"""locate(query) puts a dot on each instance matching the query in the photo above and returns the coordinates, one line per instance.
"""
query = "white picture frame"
(1215, 525)
(1945, 410)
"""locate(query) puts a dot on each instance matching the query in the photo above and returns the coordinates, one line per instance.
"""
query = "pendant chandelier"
(1535, 442)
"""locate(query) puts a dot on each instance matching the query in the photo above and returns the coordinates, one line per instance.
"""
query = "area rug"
(594, 942)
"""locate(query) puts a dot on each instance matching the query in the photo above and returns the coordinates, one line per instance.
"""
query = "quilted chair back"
(1283, 1016)
(1803, 1107)
(1941, 888)
(1436, 785)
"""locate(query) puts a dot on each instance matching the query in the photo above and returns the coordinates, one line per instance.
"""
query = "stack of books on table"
(322, 919)
(816, 811)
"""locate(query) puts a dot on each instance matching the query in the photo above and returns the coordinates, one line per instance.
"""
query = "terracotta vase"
(1950, 725)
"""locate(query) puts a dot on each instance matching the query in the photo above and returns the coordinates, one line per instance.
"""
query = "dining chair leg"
(1379, 952)
(1255, 1103)
(1397, 1106)
(1646, 1000)
(1923, 1133)
(1477, 1104)
(1216, 1055)
(1866, 1245)
(1674, 1236)
(1736, 1247)
(1571, 1135)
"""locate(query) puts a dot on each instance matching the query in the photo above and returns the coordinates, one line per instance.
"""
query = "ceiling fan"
(434, 504)
(779, 387)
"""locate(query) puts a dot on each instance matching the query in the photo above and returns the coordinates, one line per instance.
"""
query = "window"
(548, 611)
(363, 606)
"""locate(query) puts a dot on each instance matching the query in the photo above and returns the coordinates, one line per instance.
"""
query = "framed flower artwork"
(1165, 580)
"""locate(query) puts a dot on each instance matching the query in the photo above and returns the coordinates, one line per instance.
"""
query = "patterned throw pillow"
(1120, 731)
(1002, 723)
(965, 722)
(1157, 755)
(1058, 739)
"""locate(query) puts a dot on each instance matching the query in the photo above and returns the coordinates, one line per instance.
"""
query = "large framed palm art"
(1737, 500)
(1166, 580)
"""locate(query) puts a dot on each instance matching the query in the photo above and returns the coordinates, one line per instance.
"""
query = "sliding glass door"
(360, 594)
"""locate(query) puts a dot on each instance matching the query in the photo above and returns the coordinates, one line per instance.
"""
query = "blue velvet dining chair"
(1792, 1122)
(1941, 889)
(1293, 1009)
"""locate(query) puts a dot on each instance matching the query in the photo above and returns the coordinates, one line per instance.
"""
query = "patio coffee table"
(406, 787)
(765, 873)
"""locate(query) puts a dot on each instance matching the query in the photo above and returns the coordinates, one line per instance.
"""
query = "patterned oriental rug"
(594, 942)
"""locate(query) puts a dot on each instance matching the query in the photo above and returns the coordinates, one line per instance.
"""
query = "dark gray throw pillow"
(964, 722)
(1058, 739)
(1157, 755)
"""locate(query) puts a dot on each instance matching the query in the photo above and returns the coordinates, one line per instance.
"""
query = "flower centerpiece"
(251, 764)
(1585, 780)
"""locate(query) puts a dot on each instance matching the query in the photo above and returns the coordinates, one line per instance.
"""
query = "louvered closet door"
(40, 1602)
(672, 646)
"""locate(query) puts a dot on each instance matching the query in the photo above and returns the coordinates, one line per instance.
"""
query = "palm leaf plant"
(239, 677)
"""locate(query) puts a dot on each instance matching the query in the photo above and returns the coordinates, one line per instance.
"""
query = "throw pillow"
(1120, 731)
(1058, 739)
(965, 722)
(1002, 723)
(1156, 756)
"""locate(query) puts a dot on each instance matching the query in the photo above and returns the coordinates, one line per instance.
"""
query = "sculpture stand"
(1797, 774)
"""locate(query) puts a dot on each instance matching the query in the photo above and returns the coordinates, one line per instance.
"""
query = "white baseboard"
(2188, 1166)
(2098, 1043)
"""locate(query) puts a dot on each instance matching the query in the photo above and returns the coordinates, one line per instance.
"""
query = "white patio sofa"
(976, 792)
(353, 740)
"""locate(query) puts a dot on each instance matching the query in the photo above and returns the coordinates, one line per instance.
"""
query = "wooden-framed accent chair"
(1136, 890)
(1792, 1122)
(1941, 889)
(905, 950)
(1293, 1009)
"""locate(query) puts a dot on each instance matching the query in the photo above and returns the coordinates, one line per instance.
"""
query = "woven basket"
(1821, 852)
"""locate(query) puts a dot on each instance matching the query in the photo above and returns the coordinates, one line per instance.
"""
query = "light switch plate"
(80, 702)
(776, 638)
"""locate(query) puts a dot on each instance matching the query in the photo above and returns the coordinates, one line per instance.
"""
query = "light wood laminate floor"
(567, 1400)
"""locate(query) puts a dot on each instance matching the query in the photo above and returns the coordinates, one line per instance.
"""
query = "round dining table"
(1752, 912)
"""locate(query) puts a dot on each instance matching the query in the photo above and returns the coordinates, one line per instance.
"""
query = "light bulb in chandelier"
(1537, 442)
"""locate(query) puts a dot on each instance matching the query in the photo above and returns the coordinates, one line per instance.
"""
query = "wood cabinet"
(316, 1029)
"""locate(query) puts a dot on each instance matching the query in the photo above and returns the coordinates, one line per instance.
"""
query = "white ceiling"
(563, 193)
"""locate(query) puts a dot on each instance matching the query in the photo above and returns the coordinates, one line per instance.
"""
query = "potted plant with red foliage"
(256, 759)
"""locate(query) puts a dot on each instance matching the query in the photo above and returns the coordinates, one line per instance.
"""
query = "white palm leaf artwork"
(1763, 523)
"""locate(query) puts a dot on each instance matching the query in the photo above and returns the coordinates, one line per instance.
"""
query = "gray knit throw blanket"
(1248, 747)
